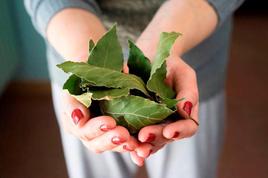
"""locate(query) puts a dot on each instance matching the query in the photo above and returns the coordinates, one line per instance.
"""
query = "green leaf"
(135, 112)
(156, 82)
(84, 98)
(99, 76)
(107, 53)
(72, 84)
(157, 85)
(91, 45)
(138, 64)
(85, 84)
(171, 103)
(108, 93)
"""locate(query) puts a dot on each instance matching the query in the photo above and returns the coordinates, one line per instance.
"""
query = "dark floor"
(30, 144)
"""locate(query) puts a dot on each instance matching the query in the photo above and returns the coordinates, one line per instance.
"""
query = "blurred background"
(29, 140)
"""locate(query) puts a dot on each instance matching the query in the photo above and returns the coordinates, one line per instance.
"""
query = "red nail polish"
(176, 134)
(127, 148)
(105, 128)
(117, 140)
(77, 115)
(150, 138)
(188, 107)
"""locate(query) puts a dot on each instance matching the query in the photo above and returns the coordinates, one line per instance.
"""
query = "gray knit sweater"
(209, 58)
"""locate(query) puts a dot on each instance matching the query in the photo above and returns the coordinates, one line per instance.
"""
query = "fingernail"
(77, 115)
(150, 138)
(188, 107)
(105, 128)
(176, 135)
(127, 148)
(118, 140)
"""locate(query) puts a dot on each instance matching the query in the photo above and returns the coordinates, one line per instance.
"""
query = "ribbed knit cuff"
(224, 8)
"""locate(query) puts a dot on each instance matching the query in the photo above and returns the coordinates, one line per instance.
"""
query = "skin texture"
(69, 31)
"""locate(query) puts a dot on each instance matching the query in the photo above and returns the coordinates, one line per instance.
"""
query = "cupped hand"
(98, 134)
(101, 133)
(182, 78)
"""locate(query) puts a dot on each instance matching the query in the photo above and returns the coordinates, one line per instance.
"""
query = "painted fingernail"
(150, 138)
(127, 148)
(117, 140)
(77, 115)
(188, 107)
(105, 128)
(176, 135)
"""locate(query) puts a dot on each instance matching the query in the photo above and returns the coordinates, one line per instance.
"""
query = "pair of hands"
(198, 20)
(101, 133)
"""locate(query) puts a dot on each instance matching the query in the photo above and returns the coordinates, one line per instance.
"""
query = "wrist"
(195, 19)
(70, 30)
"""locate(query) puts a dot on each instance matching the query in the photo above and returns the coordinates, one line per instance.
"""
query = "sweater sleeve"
(42, 11)
(224, 8)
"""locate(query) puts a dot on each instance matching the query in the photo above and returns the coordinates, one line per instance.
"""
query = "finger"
(144, 150)
(96, 127)
(152, 134)
(180, 129)
(183, 79)
(75, 111)
(110, 139)
(190, 101)
(128, 146)
(136, 159)
(188, 107)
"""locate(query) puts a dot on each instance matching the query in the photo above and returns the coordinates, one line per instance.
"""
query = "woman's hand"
(68, 32)
(196, 20)
(98, 134)
(181, 77)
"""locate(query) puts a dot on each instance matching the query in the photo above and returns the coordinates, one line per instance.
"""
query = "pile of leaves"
(134, 100)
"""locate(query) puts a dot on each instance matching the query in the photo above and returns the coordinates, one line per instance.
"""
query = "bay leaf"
(135, 112)
(107, 52)
(99, 76)
(138, 64)
(91, 45)
(156, 82)
(84, 98)
(171, 103)
(85, 84)
(72, 84)
(108, 93)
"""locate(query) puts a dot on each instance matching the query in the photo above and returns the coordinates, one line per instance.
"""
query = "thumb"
(183, 79)
(75, 111)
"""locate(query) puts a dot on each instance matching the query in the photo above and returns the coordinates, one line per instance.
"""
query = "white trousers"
(194, 157)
